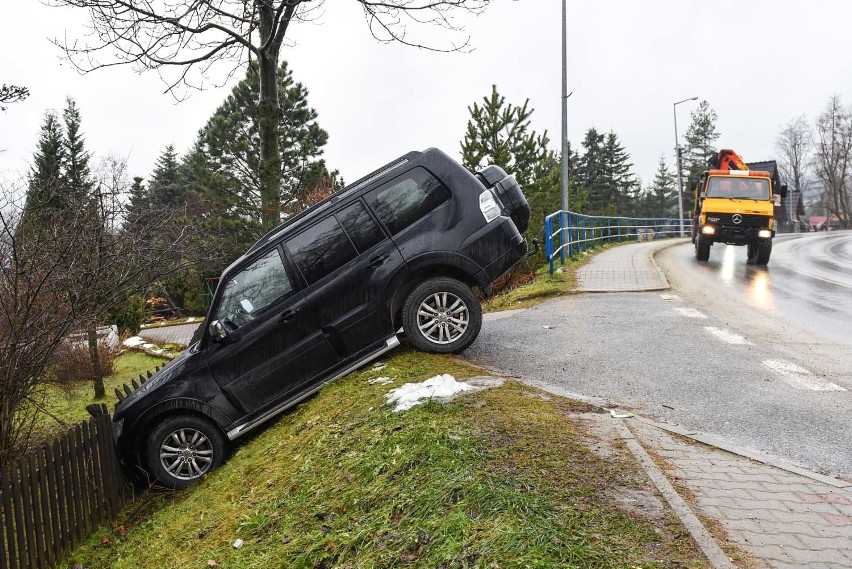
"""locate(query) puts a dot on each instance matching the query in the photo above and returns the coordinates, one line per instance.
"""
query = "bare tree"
(61, 273)
(794, 145)
(833, 157)
(12, 94)
(195, 36)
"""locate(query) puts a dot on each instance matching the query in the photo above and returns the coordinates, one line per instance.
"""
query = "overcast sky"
(758, 62)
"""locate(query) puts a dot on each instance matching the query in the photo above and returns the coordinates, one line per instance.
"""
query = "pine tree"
(700, 141)
(228, 158)
(591, 172)
(45, 198)
(661, 197)
(618, 182)
(165, 190)
(77, 176)
(499, 133)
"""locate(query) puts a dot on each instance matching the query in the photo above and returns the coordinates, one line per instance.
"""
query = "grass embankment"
(63, 406)
(494, 479)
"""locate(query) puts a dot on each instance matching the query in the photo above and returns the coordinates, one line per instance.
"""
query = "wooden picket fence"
(57, 495)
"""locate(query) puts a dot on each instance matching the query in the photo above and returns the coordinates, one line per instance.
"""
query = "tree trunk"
(268, 118)
(97, 372)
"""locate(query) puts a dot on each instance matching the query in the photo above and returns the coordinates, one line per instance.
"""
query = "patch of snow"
(148, 346)
(133, 342)
(190, 320)
(380, 381)
(412, 394)
(379, 367)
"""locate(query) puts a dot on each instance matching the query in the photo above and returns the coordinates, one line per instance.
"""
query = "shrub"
(129, 315)
(71, 363)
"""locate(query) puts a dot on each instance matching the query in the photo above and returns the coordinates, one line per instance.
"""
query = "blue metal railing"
(569, 233)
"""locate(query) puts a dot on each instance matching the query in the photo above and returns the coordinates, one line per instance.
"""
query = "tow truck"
(736, 205)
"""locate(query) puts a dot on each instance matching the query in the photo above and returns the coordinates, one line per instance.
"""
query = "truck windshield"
(731, 187)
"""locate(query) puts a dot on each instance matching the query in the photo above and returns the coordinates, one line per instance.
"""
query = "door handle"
(288, 315)
(378, 260)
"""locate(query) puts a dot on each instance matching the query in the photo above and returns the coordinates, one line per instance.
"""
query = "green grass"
(65, 406)
(493, 479)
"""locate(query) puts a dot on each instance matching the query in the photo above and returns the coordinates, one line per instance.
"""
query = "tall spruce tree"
(661, 197)
(45, 198)
(590, 172)
(618, 181)
(166, 188)
(499, 133)
(77, 177)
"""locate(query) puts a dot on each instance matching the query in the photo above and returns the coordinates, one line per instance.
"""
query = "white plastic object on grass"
(238, 544)
(412, 394)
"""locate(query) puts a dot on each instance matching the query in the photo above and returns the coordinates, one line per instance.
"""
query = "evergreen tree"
(700, 141)
(228, 159)
(618, 182)
(661, 196)
(591, 175)
(44, 195)
(77, 178)
(166, 188)
(499, 133)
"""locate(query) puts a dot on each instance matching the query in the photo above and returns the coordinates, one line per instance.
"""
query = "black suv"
(323, 294)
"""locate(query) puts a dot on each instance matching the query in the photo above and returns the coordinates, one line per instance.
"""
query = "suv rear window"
(360, 227)
(404, 200)
(321, 249)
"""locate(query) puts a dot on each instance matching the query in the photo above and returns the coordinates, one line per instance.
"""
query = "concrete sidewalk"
(762, 511)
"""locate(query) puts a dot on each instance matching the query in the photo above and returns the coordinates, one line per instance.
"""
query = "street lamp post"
(679, 168)
(564, 160)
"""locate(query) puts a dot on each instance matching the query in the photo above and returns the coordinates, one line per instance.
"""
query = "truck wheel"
(751, 252)
(442, 316)
(702, 248)
(183, 448)
(764, 250)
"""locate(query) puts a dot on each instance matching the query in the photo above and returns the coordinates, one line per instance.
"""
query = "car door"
(273, 344)
(347, 261)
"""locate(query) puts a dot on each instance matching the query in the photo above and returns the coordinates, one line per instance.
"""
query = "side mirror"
(218, 332)
(247, 305)
(776, 199)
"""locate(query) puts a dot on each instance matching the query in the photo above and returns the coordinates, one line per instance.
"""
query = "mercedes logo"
(737, 218)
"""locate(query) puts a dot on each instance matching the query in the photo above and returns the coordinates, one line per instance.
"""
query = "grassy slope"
(66, 406)
(494, 479)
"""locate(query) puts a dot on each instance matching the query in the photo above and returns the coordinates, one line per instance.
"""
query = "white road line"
(690, 313)
(728, 336)
(669, 297)
(799, 377)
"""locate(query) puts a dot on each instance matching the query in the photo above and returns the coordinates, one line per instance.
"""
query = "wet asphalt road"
(759, 357)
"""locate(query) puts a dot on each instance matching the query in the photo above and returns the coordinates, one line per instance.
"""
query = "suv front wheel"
(442, 316)
(182, 449)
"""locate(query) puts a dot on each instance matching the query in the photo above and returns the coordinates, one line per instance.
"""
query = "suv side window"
(404, 200)
(254, 289)
(360, 227)
(321, 249)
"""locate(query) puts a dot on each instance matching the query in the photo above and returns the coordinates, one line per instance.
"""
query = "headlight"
(488, 205)
(764, 234)
(708, 230)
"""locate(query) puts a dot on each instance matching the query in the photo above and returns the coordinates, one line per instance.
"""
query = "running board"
(237, 432)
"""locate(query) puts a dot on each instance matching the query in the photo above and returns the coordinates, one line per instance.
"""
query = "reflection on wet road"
(808, 279)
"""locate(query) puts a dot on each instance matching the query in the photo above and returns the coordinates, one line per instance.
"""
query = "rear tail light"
(488, 206)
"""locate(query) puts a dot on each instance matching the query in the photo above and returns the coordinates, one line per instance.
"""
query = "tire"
(442, 316)
(764, 250)
(702, 249)
(202, 441)
(751, 252)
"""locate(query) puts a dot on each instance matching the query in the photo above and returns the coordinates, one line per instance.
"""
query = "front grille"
(748, 220)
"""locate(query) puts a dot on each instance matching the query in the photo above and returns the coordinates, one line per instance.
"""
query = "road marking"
(690, 313)
(799, 377)
(728, 336)
(669, 297)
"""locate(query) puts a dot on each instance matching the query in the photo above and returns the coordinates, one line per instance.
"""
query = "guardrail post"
(562, 237)
(548, 241)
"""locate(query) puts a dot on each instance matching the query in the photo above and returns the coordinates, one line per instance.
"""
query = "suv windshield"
(731, 187)
(252, 290)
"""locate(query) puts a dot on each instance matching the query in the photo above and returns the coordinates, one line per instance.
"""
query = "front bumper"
(734, 235)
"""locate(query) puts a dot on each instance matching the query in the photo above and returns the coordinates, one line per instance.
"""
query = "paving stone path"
(626, 268)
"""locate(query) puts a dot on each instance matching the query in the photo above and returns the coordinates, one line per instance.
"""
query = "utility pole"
(564, 162)
(679, 166)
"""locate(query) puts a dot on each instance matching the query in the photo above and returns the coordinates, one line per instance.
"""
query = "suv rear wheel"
(442, 316)
(182, 449)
